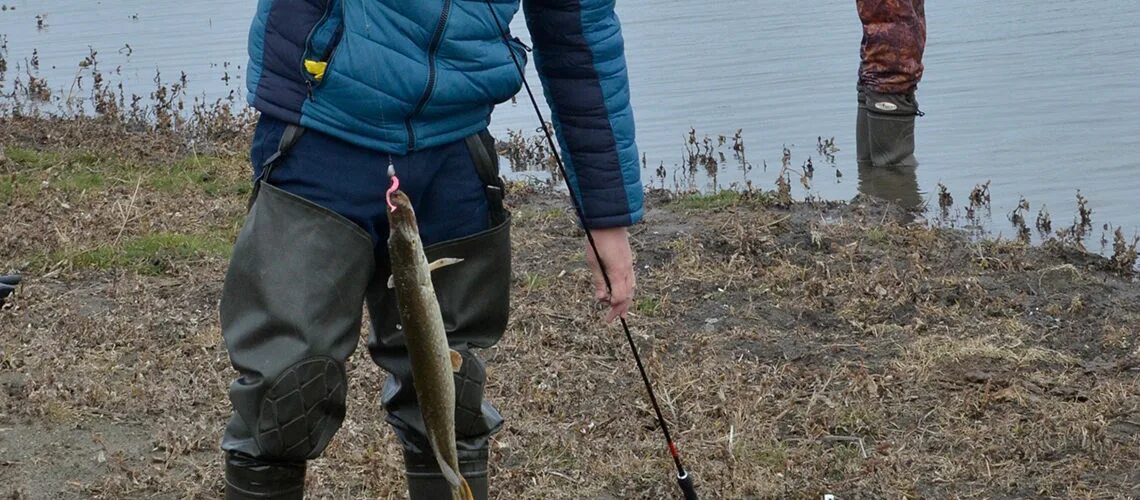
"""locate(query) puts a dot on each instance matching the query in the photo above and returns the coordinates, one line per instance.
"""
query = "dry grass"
(820, 348)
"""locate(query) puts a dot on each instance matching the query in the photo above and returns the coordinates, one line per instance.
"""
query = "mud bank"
(797, 349)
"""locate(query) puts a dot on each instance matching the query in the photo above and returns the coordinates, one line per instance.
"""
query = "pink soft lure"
(395, 186)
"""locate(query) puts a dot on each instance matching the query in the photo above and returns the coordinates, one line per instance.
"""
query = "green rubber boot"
(884, 129)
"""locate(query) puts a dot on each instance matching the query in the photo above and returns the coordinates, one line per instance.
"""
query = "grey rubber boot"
(290, 316)
(884, 129)
(425, 482)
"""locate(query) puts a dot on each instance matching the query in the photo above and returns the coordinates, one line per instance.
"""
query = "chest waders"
(291, 313)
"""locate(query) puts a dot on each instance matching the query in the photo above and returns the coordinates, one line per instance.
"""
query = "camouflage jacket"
(894, 37)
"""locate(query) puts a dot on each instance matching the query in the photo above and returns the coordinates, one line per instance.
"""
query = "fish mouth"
(401, 217)
(395, 188)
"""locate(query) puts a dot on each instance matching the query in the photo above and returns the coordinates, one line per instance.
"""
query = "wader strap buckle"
(482, 147)
(289, 139)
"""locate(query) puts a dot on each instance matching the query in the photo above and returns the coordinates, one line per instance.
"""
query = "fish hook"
(395, 186)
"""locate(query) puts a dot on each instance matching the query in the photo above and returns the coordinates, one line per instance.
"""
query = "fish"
(433, 361)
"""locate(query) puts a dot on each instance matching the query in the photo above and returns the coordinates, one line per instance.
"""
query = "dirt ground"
(797, 351)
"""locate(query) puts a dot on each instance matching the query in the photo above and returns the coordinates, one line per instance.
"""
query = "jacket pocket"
(513, 82)
(322, 43)
(520, 50)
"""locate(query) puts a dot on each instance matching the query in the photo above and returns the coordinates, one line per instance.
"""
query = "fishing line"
(683, 478)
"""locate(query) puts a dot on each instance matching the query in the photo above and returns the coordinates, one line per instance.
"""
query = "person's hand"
(613, 246)
(7, 286)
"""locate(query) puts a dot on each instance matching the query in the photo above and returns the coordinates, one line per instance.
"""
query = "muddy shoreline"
(798, 349)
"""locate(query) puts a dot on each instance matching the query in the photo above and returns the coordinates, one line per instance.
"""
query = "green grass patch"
(70, 172)
(32, 159)
(81, 171)
(724, 199)
(18, 185)
(207, 173)
(81, 180)
(648, 306)
(715, 201)
(540, 215)
(535, 281)
(150, 253)
(877, 235)
(11, 186)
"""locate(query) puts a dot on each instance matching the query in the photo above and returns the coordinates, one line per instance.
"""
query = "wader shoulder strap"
(482, 147)
(289, 138)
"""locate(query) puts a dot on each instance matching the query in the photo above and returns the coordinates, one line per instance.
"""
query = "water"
(1039, 97)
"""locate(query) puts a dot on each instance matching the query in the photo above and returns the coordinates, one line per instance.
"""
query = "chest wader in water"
(474, 299)
(290, 316)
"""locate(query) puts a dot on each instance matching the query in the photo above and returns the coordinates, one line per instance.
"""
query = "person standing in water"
(890, 69)
(894, 38)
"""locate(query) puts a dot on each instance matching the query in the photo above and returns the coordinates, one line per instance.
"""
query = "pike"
(433, 362)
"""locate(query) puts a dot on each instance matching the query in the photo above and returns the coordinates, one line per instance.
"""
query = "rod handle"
(685, 481)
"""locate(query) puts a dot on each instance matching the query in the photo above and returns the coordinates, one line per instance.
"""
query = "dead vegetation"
(797, 348)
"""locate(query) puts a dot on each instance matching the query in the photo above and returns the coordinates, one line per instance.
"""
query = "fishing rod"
(684, 480)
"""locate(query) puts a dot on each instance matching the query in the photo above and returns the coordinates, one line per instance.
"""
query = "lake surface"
(1039, 97)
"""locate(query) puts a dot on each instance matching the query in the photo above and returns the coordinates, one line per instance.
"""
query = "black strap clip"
(289, 139)
(482, 147)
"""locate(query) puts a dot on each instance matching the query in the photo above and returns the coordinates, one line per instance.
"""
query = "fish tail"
(465, 490)
(450, 475)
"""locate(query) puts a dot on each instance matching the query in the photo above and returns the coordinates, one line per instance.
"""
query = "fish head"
(401, 217)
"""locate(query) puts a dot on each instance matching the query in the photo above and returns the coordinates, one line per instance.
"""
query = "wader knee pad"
(470, 381)
(889, 132)
(302, 410)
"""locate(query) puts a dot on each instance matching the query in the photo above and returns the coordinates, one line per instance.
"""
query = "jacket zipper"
(329, 48)
(313, 31)
(432, 48)
(334, 42)
(325, 58)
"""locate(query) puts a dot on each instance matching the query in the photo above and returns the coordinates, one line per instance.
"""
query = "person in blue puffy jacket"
(347, 89)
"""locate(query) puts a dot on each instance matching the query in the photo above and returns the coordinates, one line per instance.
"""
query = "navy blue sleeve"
(580, 58)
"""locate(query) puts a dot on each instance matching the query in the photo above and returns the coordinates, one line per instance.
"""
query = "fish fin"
(444, 262)
(450, 475)
(456, 360)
